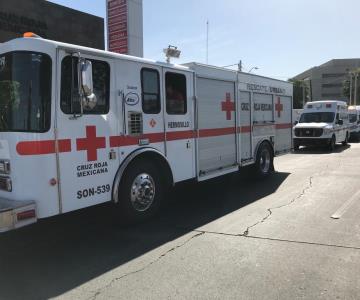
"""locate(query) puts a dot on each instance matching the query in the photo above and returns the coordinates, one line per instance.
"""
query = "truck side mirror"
(86, 78)
(340, 122)
(296, 122)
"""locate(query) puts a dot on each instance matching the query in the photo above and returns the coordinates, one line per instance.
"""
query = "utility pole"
(303, 92)
(207, 42)
(355, 92)
(350, 100)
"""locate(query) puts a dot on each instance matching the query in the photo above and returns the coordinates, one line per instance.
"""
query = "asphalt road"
(295, 235)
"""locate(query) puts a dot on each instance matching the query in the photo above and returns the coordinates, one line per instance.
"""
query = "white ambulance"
(354, 122)
(322, 123)
(81, 126)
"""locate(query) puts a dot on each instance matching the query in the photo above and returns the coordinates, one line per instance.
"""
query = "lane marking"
(338, 214)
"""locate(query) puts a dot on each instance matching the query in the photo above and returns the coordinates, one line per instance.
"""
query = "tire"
(264, 164)
(141, 191)
(332, 143)
(345, 142)
(296, 146)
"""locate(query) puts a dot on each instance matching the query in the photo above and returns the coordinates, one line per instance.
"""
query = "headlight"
(4, 167)
(327, 131)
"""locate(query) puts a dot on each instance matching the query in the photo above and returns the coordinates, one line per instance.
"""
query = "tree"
(346, 88)
(300, 87)
(354, 75)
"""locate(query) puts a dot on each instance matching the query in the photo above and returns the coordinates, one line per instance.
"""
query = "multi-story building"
(326, 81)
(51, 21)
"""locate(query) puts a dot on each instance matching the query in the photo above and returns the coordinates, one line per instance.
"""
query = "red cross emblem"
(91, 143)
(279, 107)
(228, 106)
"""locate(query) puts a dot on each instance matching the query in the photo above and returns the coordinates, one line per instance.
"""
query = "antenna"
(207, 42)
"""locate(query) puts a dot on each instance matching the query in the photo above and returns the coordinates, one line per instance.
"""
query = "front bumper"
(311, 141)
(15, 214)
(355, 134)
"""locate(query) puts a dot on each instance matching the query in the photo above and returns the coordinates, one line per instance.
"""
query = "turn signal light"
(29, 214)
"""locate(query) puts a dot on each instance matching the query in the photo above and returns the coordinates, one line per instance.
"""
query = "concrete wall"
(50, 21)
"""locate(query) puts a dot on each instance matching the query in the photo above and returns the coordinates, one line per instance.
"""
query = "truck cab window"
(150, 86)
(25, 91)
(70, 87)
(175, 85)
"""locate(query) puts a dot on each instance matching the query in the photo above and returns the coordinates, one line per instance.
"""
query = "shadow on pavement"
(322, 150)
(58, 254)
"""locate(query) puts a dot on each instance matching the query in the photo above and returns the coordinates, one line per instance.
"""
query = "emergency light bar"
(30, 35)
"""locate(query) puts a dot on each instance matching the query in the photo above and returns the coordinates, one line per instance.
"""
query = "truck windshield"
(317, 117)
(25, 92)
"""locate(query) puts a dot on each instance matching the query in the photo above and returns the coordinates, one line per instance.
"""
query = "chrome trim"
(6, 166)
(9, 209)
(142, 192)
(56, 103)
(126, 162)
(265, 161)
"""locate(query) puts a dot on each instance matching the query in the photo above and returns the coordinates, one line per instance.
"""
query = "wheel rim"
(142, 192)
(265, 161)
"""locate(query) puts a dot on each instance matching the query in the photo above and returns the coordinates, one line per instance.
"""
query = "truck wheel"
(345, 142)
(296, 146)
(264, 161)
(332, 143)
(141, 191)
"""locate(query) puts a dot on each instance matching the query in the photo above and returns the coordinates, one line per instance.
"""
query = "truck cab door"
(87, 169)
(179, 122)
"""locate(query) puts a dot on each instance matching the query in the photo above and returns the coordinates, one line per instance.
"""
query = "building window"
(334, 95)
(70, 98)
(333, 75)
(175, 93)
(332, 85)
(150, 86)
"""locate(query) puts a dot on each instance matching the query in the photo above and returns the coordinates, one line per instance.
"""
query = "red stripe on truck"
(216, 132)
(49, 146)
(43, 147)
(284, 126)
(118, 141)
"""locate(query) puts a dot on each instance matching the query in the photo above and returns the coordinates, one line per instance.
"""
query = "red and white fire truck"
(80, 126)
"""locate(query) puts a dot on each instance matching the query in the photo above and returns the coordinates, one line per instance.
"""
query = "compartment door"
(245, 126)
(217, 126)
(283, 120)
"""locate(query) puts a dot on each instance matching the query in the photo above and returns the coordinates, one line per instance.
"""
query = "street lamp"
(253, 68)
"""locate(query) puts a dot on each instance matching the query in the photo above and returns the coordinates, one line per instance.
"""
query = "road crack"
(271, 209)
(100, 290)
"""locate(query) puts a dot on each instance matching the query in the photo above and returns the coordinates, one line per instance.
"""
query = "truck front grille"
(308, 132)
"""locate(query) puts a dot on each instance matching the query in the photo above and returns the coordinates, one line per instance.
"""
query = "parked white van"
(322, 123)
(354, 122)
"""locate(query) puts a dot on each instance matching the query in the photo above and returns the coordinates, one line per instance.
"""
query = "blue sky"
(281, 37)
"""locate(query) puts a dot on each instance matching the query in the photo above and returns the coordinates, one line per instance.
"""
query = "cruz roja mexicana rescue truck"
(81, 126)
(322, 123)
